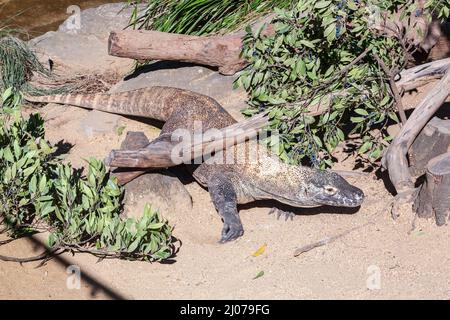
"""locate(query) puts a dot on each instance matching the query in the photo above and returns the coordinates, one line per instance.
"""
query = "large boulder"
(81, 43)
(162, 190)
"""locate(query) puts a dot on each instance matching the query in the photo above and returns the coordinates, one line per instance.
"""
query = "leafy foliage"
(439, 8)
(322, 57)
(81, 213)
(24, 159)
(199, 17)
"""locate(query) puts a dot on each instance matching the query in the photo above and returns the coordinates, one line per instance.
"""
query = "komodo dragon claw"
(287, 214)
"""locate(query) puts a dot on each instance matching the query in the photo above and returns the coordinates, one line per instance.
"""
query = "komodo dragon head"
(306, 187)
(329, 188)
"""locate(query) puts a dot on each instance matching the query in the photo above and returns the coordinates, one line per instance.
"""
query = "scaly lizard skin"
(262, 177)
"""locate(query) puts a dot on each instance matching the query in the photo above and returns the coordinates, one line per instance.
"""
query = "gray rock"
(97, 122)
(98, 21)
(186, 76)
(162, 190)
(81, 46)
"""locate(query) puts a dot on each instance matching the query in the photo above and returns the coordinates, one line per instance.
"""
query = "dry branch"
(395, 157)
(224, 52)
(42, 256)
(163, 152)
(326, 240)
(412, 78)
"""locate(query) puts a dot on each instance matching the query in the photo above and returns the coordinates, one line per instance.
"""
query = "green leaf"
(384, 101)
(375, 154)
(322, 4)
(7, 94)
(48, 209)
(356, 119)
(330, 32)
(352, 5)
(51, 241)
(43, 184)
(155, 226)
(365, 147)
(307, 43)
(259, 275)
(317, 141)
(393, 116)
(7, 154)
(340, 134)
(300, 67)
(133, 246)
(361, 112)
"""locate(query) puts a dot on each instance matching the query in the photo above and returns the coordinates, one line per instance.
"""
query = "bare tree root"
(44, 256)
(395, 157)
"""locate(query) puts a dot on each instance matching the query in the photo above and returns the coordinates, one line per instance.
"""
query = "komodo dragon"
(228, 184)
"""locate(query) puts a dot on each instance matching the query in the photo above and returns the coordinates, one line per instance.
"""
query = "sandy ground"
(379, 260)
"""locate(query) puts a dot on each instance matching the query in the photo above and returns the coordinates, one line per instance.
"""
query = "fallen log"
(432, 141)
(434, 199)
(412, 78)
(165, 152)
(221, 51)
(395, 157)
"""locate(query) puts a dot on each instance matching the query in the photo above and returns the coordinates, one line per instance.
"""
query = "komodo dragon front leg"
(224, 195)
(221, 187)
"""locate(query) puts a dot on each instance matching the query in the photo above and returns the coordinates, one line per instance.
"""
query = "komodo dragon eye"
(330, 190)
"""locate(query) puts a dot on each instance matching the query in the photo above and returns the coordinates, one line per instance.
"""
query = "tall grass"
(199, 17)
(17, 64)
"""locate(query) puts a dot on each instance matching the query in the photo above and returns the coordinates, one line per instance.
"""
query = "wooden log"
(432, 141)
(434, 195)
(395, 157)
(223, 52)
(133, 141)
(165, 152)
(412, 78)
(217, 51)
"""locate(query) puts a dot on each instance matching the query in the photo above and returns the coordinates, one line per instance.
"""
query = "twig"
(355, 61)
(327, 240)
(29, 259)
(348, 173)
(397, 98)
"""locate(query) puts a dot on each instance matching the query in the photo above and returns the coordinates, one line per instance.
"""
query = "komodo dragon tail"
(154, 102)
